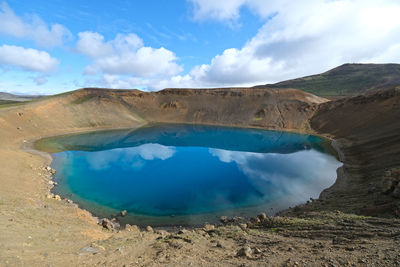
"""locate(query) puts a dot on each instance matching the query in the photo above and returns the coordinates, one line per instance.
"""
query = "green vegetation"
(348, 79)
(10, 103)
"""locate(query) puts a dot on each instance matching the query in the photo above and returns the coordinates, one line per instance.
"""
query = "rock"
(262, 216)
(209, 227)
(132, 228)
(255, 220)
(149, 228)
(218, 245)
(388, 185)
(224, 219)
(48, 168)
(111, 225)
(162, 232)
(50, 195)
(88, 250)
(396, 191)
(243, 226)
(257, 251)
(123, 213)
(57, 197)
(244, 252)
(182, 231)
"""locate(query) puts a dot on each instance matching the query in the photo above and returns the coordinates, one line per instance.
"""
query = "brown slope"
(245, 107)
(367, 132)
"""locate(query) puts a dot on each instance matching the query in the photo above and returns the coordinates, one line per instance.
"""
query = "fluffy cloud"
(32, 28)
(301, 38)
(124, 56)
(27, 59)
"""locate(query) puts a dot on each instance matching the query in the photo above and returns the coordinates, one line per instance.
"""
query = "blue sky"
(55, 46)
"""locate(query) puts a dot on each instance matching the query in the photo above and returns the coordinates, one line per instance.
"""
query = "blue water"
(182, 174)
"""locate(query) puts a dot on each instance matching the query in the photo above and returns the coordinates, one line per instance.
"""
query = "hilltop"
(345, 80)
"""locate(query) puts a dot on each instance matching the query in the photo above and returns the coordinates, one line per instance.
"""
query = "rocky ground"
(40, 229)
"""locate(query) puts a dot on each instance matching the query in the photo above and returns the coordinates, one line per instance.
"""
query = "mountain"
(7, 99)
(17, 98)
(345, 80)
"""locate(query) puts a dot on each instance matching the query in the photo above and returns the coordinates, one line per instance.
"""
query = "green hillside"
(347, 79)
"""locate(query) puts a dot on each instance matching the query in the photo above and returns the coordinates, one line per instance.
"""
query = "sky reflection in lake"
(185, 171)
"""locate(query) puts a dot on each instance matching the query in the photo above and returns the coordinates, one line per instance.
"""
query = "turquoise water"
(183, 174)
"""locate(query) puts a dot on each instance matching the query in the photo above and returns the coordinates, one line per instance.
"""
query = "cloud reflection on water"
(133, 156)
(296, 176)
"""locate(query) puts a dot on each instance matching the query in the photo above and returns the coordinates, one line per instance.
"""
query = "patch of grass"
(10, 103)
(348, 79)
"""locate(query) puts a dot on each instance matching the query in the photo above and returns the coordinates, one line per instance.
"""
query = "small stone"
(162, 232)
(57, 197)
(149, 228)
(88, 250)
(209, 227)
(255, 220)
(396, 191)
(257, 251)
(224, 219)
(123, 213)
(132, 228)
(48, 168)
(243, 226)
(244, 252)
(182, 231)
(262, 216)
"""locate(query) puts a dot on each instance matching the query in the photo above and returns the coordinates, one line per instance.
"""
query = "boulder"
(182, 231)
(396, 191)
(123, 213)
(224, 219)
(262, 216)
(388, 185)
(244, 252)
(149, 228)
(112, 225)
(208, 227)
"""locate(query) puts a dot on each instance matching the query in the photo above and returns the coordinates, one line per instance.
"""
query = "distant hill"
(17, 98)
(347, 79)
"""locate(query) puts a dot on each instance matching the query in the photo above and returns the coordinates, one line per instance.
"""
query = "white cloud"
(219, 10)
(132, 156)
(124, 56)
(296, 176)
(27, 59)
(300, 38)
(31, 27)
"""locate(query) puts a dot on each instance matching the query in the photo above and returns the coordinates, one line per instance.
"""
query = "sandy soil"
(39, 231)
